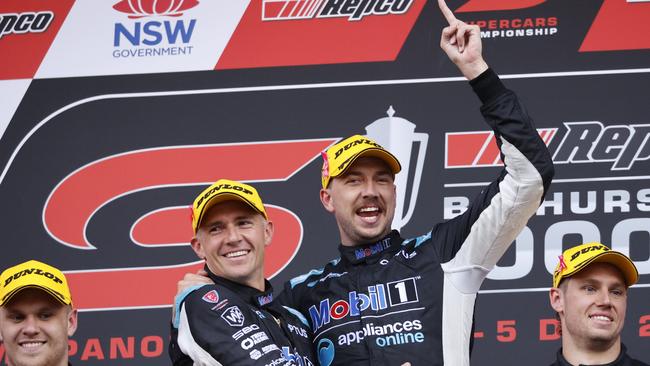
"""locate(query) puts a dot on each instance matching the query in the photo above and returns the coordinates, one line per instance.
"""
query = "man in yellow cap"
(234, 320)
(589, 294)
(388, 300)
(36, 315)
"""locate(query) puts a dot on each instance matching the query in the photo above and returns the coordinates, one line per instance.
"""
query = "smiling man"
(388, 300)
(36, 315)
(234, 320)
(589, 294)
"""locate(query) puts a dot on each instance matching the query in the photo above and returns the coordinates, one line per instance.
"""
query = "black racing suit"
(231, 324)
(399, 300)
(622, 360)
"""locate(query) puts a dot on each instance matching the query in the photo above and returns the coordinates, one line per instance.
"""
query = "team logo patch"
(211, 297)
(233, 316)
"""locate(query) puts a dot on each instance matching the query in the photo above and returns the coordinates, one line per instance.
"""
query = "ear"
(268, 233)
(556, 298)
(326, 199)
(197, 247)
(72, 322)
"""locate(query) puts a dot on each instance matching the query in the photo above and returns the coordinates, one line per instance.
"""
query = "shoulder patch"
(314, 272)
(211, 297)
(297, 314)
(419, 240)
(178, 300)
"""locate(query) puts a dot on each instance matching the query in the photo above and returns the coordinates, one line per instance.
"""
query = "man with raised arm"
(388, 300)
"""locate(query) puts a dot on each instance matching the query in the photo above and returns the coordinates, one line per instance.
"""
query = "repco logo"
(583, 142)
(587, 250)
(355, 9)
(220, 187)
(591, 142)
(352, 9)
(614, 16)
(28, 22)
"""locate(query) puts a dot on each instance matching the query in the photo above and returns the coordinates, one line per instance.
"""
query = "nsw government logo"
(153, 29)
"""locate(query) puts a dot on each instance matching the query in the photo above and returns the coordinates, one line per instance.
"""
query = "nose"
(604, 298)
(370, 189)
(234, 236)
(30, 326)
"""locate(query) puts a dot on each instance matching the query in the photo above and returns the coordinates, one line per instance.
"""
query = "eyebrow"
(594, 281)
(359, 173)
(221, 222)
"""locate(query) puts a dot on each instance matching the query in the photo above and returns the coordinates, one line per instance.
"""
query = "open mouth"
(601, 318)
(369, 214)
(31, 346)
(236, 254)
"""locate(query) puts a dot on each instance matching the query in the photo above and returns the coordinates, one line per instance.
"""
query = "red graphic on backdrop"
(479, 149)
(27, 29)
(616, 17)
(144, 8)
(76, 198)
(332, 37)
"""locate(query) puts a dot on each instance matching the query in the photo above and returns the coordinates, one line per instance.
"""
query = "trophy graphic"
(398, 136)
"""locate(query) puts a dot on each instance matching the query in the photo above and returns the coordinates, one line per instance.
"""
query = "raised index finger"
(449, 15)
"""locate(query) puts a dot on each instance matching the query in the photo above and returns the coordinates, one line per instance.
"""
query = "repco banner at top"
(351, 9)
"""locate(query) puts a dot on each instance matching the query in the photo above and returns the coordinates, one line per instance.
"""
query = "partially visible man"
(589, 294)
(36, 315)
(234, 321)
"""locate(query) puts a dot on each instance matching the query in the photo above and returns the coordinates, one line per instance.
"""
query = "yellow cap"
(225, 190)
(573, 260)
(34, 274)
(341, 156)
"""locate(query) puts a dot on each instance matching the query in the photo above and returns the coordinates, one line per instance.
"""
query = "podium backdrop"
(115, 113)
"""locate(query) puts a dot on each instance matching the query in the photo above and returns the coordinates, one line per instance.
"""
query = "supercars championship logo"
(634, 15)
